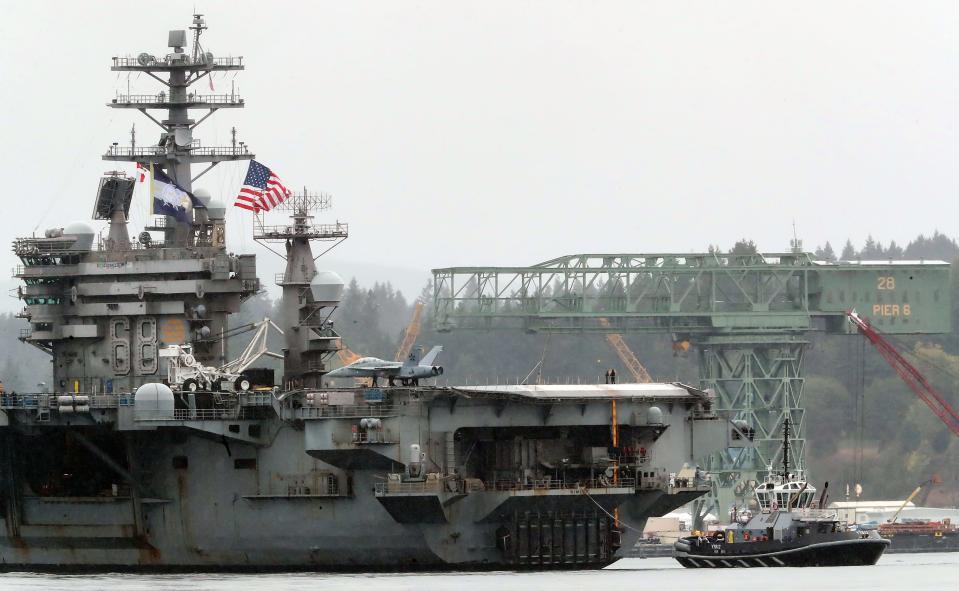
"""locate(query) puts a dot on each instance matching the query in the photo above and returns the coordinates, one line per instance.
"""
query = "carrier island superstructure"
(124, 463)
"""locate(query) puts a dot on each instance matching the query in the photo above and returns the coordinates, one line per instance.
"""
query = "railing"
(820, 514)
(14, 401)
(551, 484)
(634, 460)
(30, 401)
(145, 99)
(29, 246)
(687, 484)
(457, 485)
(427, 486)
(282, 279)
(132, 152)
(373, 437)
(221, 151)
(337, 230)
(256, 399)
(186, 414)
(354, 411)
(152, 62)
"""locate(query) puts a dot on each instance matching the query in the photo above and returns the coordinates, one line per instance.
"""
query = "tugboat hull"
(861, 552)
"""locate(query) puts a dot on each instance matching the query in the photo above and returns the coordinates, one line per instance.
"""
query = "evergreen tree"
(828, 254)
(849, 252)
(894, 252)
(872, 250)
(938, 247)
(744, 246)
(825, 253)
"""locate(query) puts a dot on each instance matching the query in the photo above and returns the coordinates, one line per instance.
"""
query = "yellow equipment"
(346, 356)
(639, 373)
(909, 499)
(412, 331)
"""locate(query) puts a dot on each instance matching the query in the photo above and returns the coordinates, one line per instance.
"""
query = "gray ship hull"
(202, 495)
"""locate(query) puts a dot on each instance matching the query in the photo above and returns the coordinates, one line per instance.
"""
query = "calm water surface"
(916, 572)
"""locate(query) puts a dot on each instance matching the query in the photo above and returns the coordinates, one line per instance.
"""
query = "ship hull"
(911, 543)
(859, 552)
(197, 502)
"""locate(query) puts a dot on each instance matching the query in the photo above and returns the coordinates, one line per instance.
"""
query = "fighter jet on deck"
(409, 372)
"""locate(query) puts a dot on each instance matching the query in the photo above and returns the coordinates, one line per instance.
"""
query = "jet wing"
(377, 367)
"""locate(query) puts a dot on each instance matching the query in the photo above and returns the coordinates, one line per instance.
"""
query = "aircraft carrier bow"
(155, 448)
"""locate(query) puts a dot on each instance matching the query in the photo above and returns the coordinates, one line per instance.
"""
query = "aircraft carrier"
(154, 448)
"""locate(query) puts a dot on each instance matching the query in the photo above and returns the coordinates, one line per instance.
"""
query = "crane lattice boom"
(412, 332)
(909, 374)
(626, 355)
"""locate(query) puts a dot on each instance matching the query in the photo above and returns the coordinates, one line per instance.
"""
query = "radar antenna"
(301, 207)
(199, 25)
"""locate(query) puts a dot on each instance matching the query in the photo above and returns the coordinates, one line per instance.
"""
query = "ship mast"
(177, 150)
(309, 297)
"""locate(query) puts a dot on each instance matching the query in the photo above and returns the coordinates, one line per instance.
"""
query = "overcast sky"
(507, 133)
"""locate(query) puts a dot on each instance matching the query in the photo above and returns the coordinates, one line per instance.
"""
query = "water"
(918, 572)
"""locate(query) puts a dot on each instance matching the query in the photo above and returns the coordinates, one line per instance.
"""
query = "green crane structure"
(747, 315)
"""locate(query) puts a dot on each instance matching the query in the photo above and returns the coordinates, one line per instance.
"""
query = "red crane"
(909, 374)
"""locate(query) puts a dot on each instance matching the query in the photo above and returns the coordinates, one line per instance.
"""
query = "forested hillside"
(862, 423)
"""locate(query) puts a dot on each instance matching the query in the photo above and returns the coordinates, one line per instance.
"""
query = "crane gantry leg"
(758, 380)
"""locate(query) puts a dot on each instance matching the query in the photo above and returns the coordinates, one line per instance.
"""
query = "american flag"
(142, 171)
(262, 190)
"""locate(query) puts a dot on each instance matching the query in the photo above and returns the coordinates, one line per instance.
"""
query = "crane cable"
(586, 494)
(861, 409)
(539, 364)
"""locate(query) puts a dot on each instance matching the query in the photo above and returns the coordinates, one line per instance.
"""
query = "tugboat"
(789, 529)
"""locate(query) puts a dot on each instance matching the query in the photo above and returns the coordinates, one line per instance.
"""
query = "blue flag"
(169, 198)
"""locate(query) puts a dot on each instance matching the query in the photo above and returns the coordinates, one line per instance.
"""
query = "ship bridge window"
(763, 499)
(44, 301)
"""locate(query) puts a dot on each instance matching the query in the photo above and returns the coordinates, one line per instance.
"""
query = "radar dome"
(203, 196)
(216, 210)
(327, 286)
(654, 416)
(154, 400)
(83, 233)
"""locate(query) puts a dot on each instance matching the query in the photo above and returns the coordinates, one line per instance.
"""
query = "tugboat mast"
(786, 450)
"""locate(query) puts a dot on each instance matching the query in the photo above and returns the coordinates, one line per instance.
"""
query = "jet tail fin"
(430, 357)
